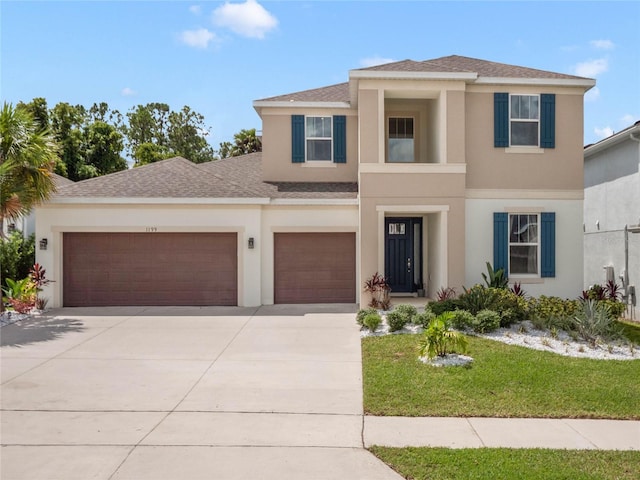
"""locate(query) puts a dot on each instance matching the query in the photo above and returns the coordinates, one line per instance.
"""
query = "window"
(524, 244)
(401, 140)
(318, 138)
(524, 120)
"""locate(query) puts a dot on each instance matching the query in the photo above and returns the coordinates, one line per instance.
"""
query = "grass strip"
(503, 463)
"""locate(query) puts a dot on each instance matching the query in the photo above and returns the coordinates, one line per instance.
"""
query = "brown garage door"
(315, 267)
(101, 269)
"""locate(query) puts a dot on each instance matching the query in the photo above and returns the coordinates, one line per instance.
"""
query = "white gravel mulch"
(8, 317)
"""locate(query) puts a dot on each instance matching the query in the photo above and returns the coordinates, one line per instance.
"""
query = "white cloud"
(195, 9)
(373, 61)
(592, 68)
(603, 132)
(128, 92)
(602, 44)
(249, 19)
(197, 38)
(592, 95)
(627, 120)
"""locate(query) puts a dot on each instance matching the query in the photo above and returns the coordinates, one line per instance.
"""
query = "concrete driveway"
(185, 393)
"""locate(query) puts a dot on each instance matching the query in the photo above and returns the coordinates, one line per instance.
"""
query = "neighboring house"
(423, 171)
(27, 224)
(611, 203)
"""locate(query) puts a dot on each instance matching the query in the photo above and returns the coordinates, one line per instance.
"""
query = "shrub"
(20, 294)
(424, 318)
(593, 321)
(17, 255)
(378, 286)
(396, 320)
(443, 306)
(462, 319)
(477, 298)
(408, 311)
(446, 293)
(551, 311)
(511, 307)
(486, 321)
(612, 290)
(439, 339)
(362, 313)
(495, 278)
(372, 321)
(616, 308)
(518, 290)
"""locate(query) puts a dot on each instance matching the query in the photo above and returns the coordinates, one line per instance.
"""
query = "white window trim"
(530, 148)
(306, 138)
(524, 276)
(387, 138)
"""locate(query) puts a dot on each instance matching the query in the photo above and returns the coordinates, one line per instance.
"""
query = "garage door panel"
(314, 267)
(103, 269)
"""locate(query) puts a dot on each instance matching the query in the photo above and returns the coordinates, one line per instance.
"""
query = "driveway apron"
(184, 393)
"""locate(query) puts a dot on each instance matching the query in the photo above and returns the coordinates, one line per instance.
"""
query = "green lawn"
(508, 464)
(503, 381)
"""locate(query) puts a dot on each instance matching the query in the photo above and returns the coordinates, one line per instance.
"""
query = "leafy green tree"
(187, 136)
(103, 144)
(245, 141)
(66, 124)
(147, 153)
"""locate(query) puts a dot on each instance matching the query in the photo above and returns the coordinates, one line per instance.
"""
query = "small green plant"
(522, 329)
(423, 318)
(372, 321)
(553, 332)
(462, 319)
(545, 341)
(448, 305)
(446, 293)
(594, 322)
(408, 311)
(396, 320)
(362, 313)
(439, 339)
(20, 294)
(550, 311)
(495, 278)
(486, 321)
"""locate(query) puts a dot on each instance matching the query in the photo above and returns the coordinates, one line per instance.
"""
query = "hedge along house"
(423, 171)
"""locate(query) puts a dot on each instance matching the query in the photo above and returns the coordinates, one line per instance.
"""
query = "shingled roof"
(449, 64)
(235, 177)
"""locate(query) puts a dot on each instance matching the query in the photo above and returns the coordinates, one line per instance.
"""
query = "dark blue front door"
(402, 243)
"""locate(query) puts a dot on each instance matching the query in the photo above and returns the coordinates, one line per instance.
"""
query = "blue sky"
(217, 57)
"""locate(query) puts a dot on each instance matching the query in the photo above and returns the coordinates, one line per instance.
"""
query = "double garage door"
(102, 269)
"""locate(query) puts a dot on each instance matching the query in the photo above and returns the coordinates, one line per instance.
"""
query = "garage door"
(101, 269)
(315, 267)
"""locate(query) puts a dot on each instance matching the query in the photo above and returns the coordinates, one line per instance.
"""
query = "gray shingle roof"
(236, 177)
(449, 64)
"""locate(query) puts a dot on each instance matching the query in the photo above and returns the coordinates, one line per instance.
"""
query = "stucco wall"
(479, 243)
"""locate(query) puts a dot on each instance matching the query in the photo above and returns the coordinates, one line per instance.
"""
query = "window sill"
(526, 280)
(319, 164)
(524, 150)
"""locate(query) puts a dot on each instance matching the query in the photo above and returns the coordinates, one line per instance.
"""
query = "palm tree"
(27, 158)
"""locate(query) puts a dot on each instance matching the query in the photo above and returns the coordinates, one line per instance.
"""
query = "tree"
(147, 153)
(103, 144)
(245, 141)
(187, 136)
(27, 158)
(66, 124)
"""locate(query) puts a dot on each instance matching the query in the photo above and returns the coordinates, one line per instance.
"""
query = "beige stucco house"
(421, 170)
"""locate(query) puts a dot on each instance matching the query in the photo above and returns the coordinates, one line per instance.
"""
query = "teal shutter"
(547, 120)
(340, 139)
(500, 119)
(548, 244)
(500, 241)
(297, 138)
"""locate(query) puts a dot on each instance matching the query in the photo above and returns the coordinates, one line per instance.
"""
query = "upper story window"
(318, 138)
(401, 141)
(524, 244)
(525, 120)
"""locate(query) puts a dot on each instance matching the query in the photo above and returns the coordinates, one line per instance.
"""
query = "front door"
(403, 244)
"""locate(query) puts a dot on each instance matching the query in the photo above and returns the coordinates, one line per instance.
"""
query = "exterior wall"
(276, 149)
(255, 266)
(611, 201)
(26, 225)
(558, 168)
(479, 242)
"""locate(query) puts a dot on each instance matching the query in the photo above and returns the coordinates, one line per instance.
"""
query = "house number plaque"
(152, 229)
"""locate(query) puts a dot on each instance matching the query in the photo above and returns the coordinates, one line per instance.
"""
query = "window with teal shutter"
(500, 119)
(340, 139)
(548, 244)
(547, 120)
(297, 138)
(500, 241)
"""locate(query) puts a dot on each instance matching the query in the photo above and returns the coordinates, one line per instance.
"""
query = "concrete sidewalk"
(502, 432)
(228, 393)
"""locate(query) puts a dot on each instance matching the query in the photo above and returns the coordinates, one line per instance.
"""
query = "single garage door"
(315, 267)
(101, 269)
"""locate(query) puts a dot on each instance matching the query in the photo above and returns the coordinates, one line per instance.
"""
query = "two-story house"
(421, 170)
